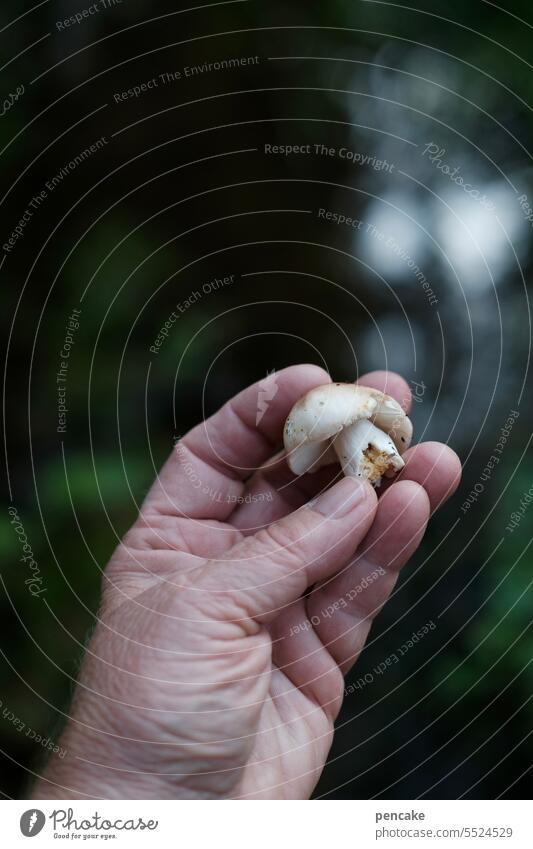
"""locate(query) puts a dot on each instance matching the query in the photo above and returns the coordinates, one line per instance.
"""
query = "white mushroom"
(364, 430)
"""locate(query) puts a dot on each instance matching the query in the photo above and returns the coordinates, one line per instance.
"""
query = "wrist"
(96, 762)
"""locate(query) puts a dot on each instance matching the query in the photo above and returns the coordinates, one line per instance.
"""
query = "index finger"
(390, 383)
(204, 476)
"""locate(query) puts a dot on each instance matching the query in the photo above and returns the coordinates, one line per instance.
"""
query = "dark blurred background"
(434, 102)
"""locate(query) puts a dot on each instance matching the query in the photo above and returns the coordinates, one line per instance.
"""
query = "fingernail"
(341, 498)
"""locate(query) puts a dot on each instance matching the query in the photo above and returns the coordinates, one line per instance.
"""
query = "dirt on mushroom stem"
(366, 430)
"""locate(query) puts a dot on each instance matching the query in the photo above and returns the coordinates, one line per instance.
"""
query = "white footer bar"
(267, 825)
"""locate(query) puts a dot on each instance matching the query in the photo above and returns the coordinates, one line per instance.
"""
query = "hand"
(213, 671)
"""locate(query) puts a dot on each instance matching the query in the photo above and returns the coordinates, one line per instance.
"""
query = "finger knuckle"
(291, 540)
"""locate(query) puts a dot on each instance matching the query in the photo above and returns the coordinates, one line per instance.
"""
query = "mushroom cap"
(325, 411)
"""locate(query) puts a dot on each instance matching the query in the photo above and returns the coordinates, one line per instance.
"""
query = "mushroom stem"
(365, 451)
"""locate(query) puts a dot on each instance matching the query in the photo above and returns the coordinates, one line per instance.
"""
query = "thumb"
(265, 572)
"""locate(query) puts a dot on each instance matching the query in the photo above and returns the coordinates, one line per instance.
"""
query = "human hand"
(212, 672)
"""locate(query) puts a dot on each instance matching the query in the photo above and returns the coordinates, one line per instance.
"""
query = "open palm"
(233, 608)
